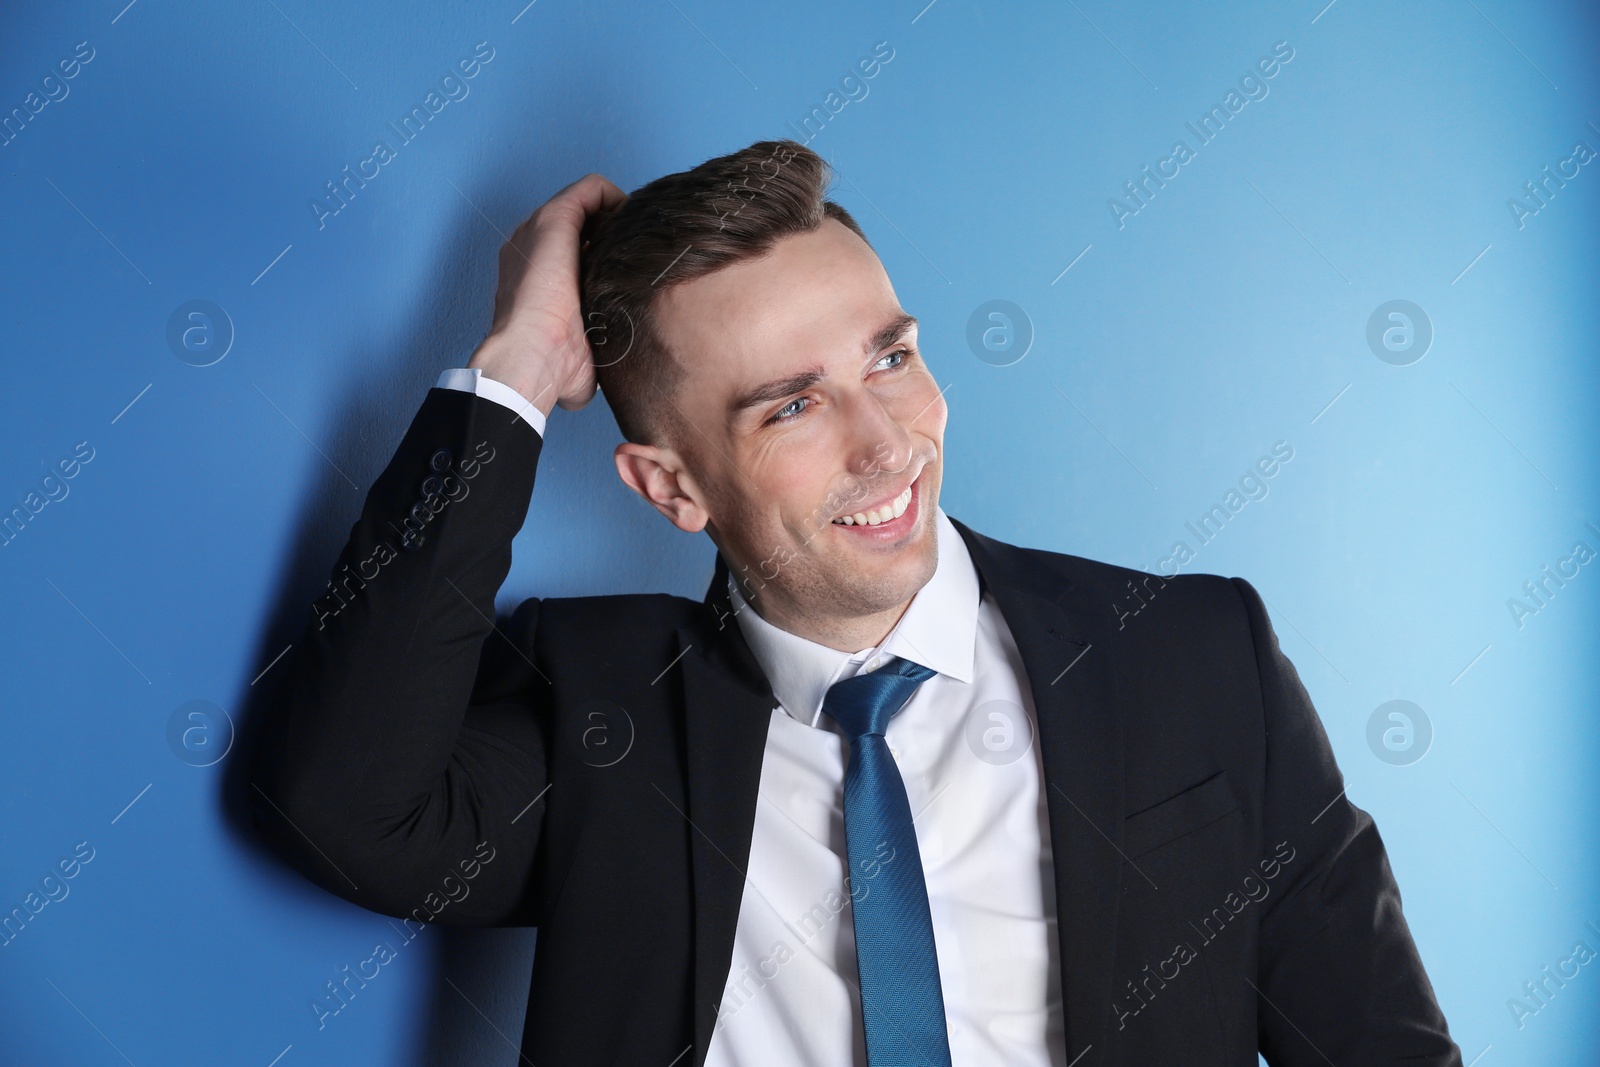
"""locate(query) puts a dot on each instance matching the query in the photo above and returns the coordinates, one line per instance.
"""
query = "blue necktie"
(902, 1005)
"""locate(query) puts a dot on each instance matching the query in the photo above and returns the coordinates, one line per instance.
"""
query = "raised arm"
(392, 771)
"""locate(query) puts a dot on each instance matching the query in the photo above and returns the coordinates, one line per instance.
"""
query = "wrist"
(496, 359)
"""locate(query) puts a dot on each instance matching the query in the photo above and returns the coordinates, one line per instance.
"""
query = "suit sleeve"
(1338, 975)
(395, 769)
(472, 380)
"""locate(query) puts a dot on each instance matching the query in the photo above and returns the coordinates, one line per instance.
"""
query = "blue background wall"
(1167, 350)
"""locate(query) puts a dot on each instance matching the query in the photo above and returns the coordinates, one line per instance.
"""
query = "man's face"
(808, 401)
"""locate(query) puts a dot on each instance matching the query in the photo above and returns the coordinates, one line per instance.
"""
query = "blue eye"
(785, 415)
(781, 417)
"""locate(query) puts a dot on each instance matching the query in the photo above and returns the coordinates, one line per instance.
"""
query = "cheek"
(792, 484)
(804, 453)
(924, 405)
(799, 483)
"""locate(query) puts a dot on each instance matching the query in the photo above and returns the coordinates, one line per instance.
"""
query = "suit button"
(441, 460)
(432, 487)
(411, 541)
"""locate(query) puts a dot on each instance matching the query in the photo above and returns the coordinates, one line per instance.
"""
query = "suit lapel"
(727, 708)
(1064, 638)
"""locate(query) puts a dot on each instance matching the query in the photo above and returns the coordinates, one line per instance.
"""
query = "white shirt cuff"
(471, 380)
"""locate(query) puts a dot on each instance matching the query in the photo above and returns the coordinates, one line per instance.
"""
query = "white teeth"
(878, 516)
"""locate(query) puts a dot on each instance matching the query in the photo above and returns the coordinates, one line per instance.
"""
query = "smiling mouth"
(883, 513)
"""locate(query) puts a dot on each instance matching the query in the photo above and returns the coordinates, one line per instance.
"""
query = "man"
(895, 792)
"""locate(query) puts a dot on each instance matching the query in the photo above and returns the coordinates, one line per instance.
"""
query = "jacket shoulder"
(544, 636)
(1096, 586)
(604, 619)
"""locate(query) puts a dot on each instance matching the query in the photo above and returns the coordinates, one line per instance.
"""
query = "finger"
(584, 197)
(573, 202)
(596, 192)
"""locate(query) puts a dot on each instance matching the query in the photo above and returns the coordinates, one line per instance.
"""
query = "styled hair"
(675, 229)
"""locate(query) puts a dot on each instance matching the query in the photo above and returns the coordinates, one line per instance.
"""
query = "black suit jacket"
(590, 768)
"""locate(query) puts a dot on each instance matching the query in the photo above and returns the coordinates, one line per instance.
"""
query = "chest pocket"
(1196, 807)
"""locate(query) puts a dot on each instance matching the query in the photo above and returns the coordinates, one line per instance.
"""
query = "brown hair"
(675, 229)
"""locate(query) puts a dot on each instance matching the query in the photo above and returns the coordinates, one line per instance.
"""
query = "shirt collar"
(938, 630)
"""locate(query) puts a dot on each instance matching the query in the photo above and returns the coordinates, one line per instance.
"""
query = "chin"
(883, 583)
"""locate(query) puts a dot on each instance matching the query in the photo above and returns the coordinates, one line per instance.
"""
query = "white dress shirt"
(471, 380)
(964, 745)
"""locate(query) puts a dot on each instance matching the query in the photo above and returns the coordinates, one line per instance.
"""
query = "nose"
(878, 445)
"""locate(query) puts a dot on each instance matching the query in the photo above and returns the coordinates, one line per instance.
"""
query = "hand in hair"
(537, 343)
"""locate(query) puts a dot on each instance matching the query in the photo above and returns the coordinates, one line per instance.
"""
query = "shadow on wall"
(479, 991)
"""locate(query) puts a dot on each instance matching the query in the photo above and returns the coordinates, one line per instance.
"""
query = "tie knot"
(864, 704)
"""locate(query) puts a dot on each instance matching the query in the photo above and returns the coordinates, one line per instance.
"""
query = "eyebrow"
(778, 388)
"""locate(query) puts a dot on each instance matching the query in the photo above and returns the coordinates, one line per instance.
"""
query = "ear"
(658, 475)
